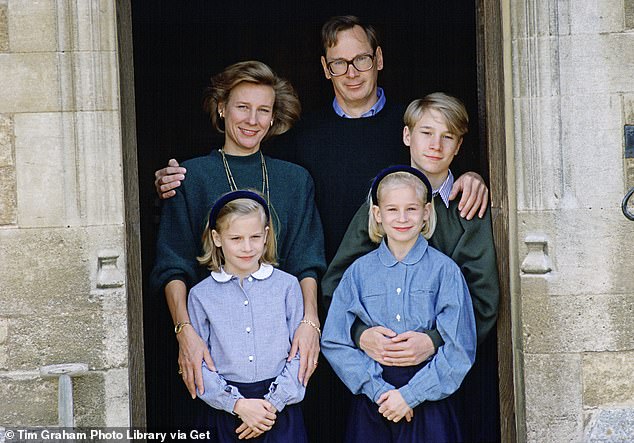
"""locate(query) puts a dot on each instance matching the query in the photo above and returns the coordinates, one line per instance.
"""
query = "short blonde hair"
(286, 108)
(213, 257)
(451, 108)
(375, 230)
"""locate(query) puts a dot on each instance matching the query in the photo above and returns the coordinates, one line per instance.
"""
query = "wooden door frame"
(491, 99)
(493, 143)
(134, 273)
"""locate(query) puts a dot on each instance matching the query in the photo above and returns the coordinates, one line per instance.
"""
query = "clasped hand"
(257, 415)
(390, 349)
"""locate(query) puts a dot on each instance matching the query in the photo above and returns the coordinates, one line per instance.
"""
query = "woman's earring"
(221, 114)
(271, 123)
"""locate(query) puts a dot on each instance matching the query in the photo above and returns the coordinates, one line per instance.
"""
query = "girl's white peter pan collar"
(262, 273)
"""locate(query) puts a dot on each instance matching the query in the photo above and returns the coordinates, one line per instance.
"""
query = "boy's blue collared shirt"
(445, 189)
(248, 326)
(425, 290)
(380, 103)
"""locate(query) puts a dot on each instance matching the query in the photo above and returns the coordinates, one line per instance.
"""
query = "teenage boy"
(434, 131)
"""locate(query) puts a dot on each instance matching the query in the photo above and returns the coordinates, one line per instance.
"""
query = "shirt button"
(246, 302)
(248, 329)
(398, 317)
(398, 290)
(250, 279)
(250, 358)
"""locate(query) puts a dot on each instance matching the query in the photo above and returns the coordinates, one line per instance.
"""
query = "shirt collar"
(262, 273)
(380, 103)
(413, 256)
(445, 189)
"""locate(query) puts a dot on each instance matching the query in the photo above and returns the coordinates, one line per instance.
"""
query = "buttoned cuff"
(229, 398)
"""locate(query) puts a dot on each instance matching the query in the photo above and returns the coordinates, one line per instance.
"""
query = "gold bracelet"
(180, 325)
(310, 323)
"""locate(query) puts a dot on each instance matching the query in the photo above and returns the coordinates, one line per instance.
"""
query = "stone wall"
(62, 237)
(573, 91)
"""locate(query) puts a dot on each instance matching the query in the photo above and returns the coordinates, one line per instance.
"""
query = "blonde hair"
(451, 108)
(375, 230)
(286, 108)
(213, 257)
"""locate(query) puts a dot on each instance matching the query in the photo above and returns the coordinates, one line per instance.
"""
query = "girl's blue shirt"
(424, 291)
(248, 326)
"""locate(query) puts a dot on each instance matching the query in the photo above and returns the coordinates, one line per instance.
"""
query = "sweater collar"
(413, 256)
(262, 273)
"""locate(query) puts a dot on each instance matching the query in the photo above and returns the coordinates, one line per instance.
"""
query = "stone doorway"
(177, 47)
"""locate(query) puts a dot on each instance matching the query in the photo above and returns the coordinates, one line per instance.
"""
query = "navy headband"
(231, 196)
(398, 168)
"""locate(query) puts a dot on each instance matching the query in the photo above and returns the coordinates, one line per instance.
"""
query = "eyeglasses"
(361, 63)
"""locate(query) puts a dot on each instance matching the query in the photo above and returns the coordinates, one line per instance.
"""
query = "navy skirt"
(288, 427)
(434, 421)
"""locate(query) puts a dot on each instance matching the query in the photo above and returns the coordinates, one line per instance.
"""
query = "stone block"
(99, 142)
(553, 398)
(609, 425)
(34, 82)
(89, 395)
(529, 19)
(86, 146)
(595, 262)
(596, 63)
(60, 278)
(77, 336)
(6, 140)
(628, 107)
(578, 323)
(33, 25)
(28, 400)
(4, 27)
(89, 81)
(592, 140)
(4, 358)
(538, 152)
(8, 196)
(628, 7)
(91, 26)
(117, 391)
(607, 379)
(595, 17)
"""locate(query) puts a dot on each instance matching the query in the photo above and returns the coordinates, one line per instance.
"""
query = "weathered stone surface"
(611, 425)
(59, 279)
(585, 264)
(34, 82)
(596, 16)
(4, 26)
(89, 393)
(577, 323)
(28, 400)
(33, 25)
(628, 107)
(8, 196)
(63, 161)
(75, 337)
(591, 139)
(117, 402)
(553, 398)
(596, 63)
(4, 331)
(528, 20)
(4, 357)
(91, 25)
(89, 81)
(6, 140)
(607, 379)
(628, 7)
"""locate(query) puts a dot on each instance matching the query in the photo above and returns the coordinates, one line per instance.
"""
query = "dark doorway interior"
(427, 45)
